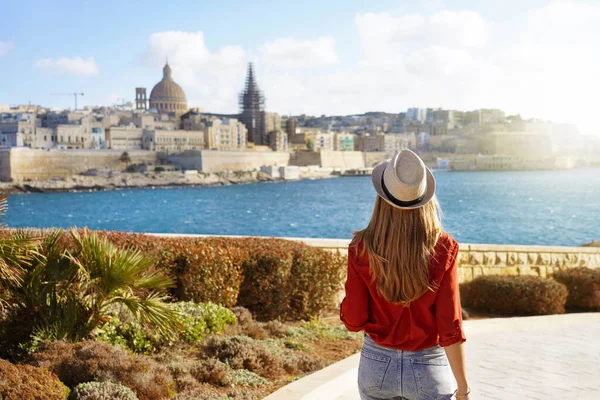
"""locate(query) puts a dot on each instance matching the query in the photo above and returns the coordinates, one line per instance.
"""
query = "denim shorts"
(385, 373)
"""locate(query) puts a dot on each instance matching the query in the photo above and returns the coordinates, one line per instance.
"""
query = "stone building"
(278, 140)
(224, 134)
(343, 142)
(174, 141)
(127, 137)
(168, 97)
(272, 122)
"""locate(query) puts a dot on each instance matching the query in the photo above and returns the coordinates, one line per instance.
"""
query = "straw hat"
(404, 181)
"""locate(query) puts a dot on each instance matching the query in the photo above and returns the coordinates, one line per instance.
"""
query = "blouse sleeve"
(448, 312)
(354, 310)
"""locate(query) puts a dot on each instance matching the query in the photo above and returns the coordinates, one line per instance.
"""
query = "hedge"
(273, 278)
(584, 288)
(514, 295)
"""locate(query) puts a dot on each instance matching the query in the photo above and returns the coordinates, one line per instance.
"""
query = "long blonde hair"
(400, 243)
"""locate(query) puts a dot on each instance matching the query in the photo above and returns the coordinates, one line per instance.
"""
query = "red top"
(434, 318)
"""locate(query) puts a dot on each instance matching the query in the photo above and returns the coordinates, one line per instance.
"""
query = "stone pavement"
(549, 357)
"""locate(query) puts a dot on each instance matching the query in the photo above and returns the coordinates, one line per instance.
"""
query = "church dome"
(168, 96)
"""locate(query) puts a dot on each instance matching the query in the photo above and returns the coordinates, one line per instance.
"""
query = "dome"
(167, 95)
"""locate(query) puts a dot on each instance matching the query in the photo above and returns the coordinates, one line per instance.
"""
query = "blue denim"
(385, 373)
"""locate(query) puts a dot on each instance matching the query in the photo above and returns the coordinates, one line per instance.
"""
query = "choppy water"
(542, 207)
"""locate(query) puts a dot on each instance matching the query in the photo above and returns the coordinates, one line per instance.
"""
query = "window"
(44, 138)
(69, 139)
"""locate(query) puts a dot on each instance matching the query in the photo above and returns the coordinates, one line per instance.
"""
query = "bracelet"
(462, 395)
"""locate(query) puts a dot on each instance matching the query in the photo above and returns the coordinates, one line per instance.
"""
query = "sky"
(537, 58)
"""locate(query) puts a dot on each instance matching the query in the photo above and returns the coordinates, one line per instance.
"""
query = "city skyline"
(535, 59)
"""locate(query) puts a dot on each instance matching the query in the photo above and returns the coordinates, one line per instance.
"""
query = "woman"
(402, 291)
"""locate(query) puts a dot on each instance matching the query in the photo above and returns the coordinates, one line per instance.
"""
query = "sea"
(504, 207)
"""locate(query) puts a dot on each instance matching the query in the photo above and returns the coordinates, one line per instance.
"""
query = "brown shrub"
(76, 363)
(207, 270)
(302, 363)
(241, 352)
(247, 325)
(18, 382)
(514, 295)
(285, 279)
(210, 371)
(584, 287)
(275, 329)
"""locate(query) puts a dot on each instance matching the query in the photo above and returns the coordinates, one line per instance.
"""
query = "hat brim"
(378, 174)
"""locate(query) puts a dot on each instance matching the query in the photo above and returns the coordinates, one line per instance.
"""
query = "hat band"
(401, 203)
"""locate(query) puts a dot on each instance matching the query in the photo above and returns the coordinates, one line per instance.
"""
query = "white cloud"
(211, 80)
(294, 53)
(74, 65)
(6, 47)
(542, 63)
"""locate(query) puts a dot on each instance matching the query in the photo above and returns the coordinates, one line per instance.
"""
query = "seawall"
(492, 259)
(221, 161)
(18, 164)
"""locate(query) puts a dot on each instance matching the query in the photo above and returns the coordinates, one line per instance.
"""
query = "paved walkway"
(551, 357)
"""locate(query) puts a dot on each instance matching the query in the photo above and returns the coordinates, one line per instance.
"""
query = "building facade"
(225, 134)
(343, 142)
(127, 137)
(172, 141)
(278, 140)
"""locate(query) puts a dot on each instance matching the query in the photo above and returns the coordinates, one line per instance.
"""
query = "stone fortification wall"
(35, 164)
(342, 159)
(329, 159)
(373, 158)
(220, 161)
(305, 158)
(491, 259)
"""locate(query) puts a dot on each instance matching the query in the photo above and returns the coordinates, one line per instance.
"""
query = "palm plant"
(67, 294)
(16, 251)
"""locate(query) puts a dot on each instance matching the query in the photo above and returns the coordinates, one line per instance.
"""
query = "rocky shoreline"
(145, 180)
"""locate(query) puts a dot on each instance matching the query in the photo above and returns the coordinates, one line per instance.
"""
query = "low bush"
(269, 358)
(584, 287)
(102, 391)
(315, 330)
(19, 382)
(195, 322)
(514, 295)
(242, 377)
(210, 371)
(88, 361)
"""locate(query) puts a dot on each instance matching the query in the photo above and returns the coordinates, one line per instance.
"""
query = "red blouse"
(434, 318)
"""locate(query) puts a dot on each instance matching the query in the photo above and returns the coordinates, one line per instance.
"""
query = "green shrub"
(19, 382)
(242, 377)
(159, 169)
(88, 361)
(315, 330)
(199, 320)
(584, 287)
(514, 295)
(102, 391)
(195, 321)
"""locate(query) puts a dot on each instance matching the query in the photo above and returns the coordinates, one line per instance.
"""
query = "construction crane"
(70, 94)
